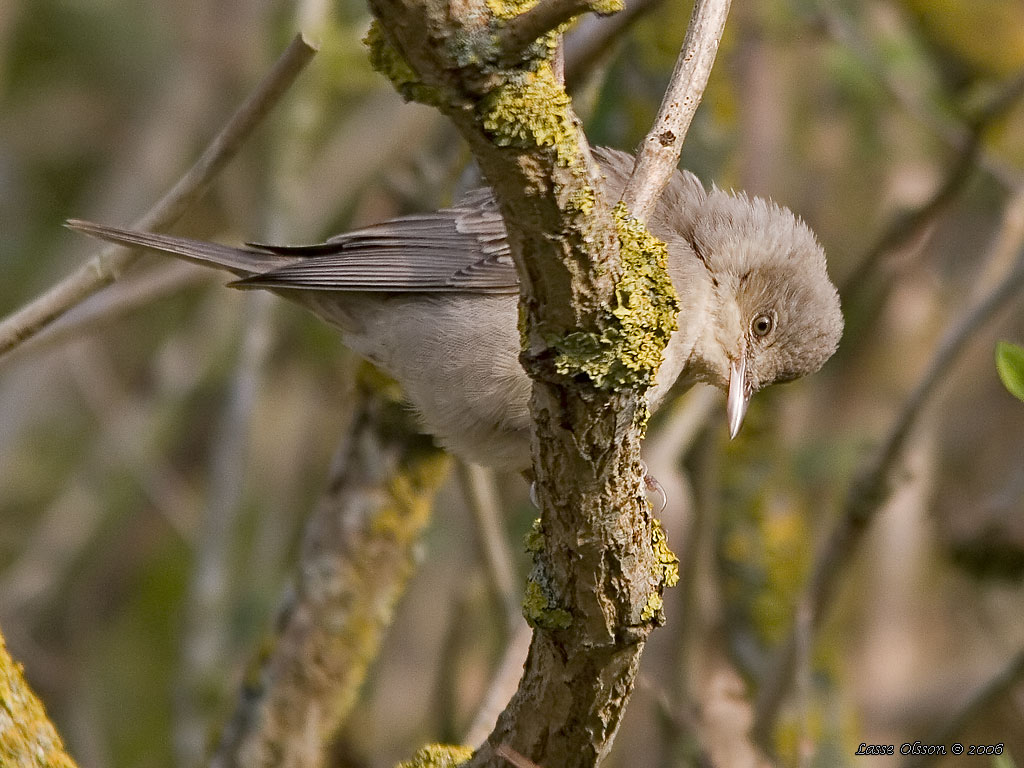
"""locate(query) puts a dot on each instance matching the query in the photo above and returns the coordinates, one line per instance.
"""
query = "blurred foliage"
(846, 112)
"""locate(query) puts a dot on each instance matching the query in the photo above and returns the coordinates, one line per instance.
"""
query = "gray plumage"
(432, 299)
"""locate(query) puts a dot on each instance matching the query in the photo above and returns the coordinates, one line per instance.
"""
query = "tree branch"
(659, 152)
(357, 554)
(111, 262)
(597, 576)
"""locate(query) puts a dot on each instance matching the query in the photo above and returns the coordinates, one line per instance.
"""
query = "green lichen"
(541, 612)
(438, 756)
(630, 350)
(387, 60)
(531, 109)
(582, 201)
(534, 540)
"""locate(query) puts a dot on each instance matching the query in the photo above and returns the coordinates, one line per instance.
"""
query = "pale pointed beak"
(739, 395)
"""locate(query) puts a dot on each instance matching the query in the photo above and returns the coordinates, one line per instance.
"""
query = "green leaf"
(1010, 364)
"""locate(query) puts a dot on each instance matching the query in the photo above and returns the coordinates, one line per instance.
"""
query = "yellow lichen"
(653, 608)
(531, 109)
(667, 562)
(27, 737)
(438, 756)
(630, 350)
(506, 9)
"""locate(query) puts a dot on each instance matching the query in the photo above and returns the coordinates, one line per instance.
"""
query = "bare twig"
(659, 152)
(986, 695)
(140, 289)
(871, 488)
(108, 266)
(513, 757)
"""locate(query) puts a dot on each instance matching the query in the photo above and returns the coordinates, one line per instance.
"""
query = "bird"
(432, 299)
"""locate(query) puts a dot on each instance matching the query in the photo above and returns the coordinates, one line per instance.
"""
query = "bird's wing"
(462, 248)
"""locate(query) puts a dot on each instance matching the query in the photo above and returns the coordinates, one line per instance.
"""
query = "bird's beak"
(739, 395)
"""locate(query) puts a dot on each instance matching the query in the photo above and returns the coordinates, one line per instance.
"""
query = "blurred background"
(165, 402)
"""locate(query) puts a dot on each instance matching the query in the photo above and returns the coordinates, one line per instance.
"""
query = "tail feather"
(244, 262)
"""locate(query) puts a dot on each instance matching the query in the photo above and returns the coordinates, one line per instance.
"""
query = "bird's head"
(776, 314)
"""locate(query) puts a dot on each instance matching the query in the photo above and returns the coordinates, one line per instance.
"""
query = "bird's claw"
(653, 486)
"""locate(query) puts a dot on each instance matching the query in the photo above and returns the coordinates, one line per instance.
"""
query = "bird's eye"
(762, 325)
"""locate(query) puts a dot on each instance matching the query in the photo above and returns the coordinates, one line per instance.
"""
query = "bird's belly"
(456, 358)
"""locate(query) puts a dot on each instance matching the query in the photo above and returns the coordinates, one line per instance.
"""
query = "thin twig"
(659, 152)
(111, 262)
(870, 490)
(513, 757)
(141, 289)
(482, 499)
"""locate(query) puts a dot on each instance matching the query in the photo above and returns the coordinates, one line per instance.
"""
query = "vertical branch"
(659, 152)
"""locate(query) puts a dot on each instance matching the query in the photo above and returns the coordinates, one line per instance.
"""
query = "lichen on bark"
(642, 318)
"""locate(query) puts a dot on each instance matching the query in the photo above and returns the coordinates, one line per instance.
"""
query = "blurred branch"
(482, 499)
(979, 702)
(27, 737)
(205, 639)
(870, 489)
(503, 685)
(140, 289)
(956, 135)
(908, 227)
(659, 152)
(592, 35)
(108, 266)
(356, 555)
(124, 431)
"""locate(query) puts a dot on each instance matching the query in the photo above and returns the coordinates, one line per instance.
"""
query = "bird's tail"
(243, 262)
